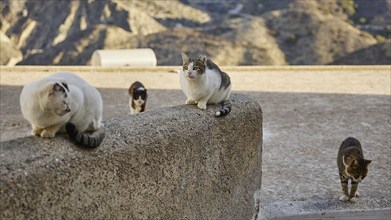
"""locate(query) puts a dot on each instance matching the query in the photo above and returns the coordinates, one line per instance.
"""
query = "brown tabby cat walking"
(351, 165)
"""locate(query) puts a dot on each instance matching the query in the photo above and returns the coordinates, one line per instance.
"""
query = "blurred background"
(240, 32)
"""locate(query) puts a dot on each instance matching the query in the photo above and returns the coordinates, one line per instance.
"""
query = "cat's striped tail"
(84, 139)
(226, 109)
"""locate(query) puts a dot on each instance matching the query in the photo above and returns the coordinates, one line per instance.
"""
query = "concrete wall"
(171, 163)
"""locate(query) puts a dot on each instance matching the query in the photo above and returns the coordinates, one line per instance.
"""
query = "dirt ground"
(307, 113)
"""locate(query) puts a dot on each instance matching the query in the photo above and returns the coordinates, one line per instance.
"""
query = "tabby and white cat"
(203, 83)
(352, 166)
(64, 102)
(138, 97)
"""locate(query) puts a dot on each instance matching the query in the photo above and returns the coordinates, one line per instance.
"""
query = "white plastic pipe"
(128, 57)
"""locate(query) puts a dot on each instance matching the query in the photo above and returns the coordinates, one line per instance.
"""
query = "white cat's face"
(193, 69)
(55, 99)
(190, 72)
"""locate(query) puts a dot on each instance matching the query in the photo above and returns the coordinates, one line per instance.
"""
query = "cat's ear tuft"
(185, 58)
(367, 162)
(49, 89)
(203, 58)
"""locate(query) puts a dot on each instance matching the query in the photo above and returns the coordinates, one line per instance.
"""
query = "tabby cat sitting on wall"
(203, 83)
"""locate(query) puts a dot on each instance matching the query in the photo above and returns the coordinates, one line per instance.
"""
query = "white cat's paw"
(36, 132)
(357, 194)
(47, 134)
(344, 198)
(201, 105)
(190, 102)
(354, 199)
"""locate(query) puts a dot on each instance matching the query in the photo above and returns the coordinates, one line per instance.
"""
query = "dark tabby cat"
(203, 83)
(138, 97)
(352, 166)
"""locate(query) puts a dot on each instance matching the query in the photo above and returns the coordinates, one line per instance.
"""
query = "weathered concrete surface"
(170, 163)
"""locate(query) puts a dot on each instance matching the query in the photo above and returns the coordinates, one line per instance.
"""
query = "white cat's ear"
(50, 89)
(185, 58)
(203, 58)
(56, 87)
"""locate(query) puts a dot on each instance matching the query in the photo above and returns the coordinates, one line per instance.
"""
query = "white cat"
(64, 102)
(203, 83)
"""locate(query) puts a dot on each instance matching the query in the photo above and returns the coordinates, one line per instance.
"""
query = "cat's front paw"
(47, 134)
(357, 194)
(201, 105)
(344, 198)
(190, 102)
(354, 199)
(36, 131)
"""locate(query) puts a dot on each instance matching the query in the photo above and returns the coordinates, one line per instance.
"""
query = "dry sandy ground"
(308, 112)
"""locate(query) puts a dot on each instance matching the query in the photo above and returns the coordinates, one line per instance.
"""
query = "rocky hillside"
(376, 54)
(242, 32)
